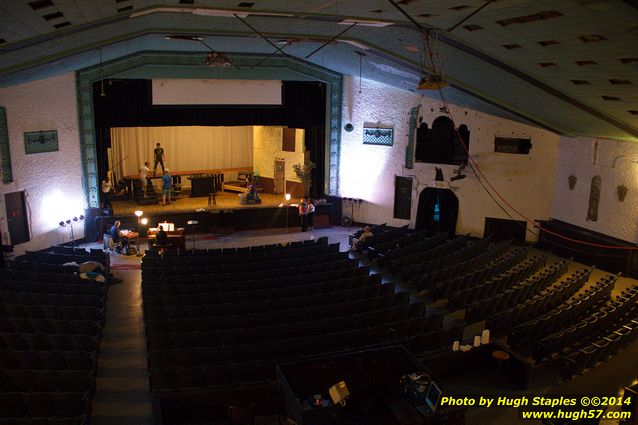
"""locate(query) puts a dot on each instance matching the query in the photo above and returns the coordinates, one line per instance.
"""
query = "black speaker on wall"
(91, 231)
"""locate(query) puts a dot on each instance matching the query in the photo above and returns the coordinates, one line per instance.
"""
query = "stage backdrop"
(188, 148)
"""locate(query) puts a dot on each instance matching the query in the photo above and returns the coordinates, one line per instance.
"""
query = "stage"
(225, 217)
(224, 201)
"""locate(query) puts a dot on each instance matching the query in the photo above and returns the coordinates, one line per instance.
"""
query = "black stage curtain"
(128, 103)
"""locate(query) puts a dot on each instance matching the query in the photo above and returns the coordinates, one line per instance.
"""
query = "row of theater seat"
(52, 312)
(245, 267)
(61, 342)
(46, 277)
(589, 355)
(607, 316)
(43, 326)
(323, 240)
(66, 380)
(264, 334)
(412, 246)
(51, 360)
(203, 286)
(254, 295)
(412, 273)
(449, 271)
(206, 276)
(516, 294)
(545, 301)
(272, 305)
(418, 256)
(239, 258)
(37, 298)
(391, 236)
(498, 283)
(563, 315)
(61, 408)
(494, 264)
(53, 258)
(83, 288)
(407, 239)
(200, 320)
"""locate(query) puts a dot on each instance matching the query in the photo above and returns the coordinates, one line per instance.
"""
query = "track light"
(217, 59)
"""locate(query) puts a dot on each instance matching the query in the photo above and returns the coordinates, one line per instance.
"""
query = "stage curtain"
(190, 148)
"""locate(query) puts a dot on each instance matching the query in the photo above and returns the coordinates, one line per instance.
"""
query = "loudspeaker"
(91, 231)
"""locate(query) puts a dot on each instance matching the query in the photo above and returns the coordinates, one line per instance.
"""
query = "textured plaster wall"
(367, 172)
(617, 164)
(267, 147)
(52, 181)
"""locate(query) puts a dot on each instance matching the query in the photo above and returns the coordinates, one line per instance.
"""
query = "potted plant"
(304, 174)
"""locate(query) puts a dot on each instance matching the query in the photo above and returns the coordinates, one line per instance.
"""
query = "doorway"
(438, 210)
(17, 217)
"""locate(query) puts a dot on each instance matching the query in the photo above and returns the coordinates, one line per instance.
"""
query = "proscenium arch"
(86, 77)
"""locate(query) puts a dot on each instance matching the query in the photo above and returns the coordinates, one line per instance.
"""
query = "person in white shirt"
(144, 177)
(106, 192)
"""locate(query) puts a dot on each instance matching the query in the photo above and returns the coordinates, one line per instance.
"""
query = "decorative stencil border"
(378, 136)
(86, 77)
(5, 151)
(41, 141)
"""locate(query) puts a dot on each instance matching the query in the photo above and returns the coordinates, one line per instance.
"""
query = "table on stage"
(176, 238)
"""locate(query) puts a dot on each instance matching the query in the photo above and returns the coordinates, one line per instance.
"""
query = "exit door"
(279, 184)
(17, 217)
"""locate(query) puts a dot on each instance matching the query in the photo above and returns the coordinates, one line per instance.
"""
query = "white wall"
(367, 172)
(267, 147)
(52, 181)
(617, 164)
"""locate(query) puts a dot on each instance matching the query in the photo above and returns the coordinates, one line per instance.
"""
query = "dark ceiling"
(570, 66)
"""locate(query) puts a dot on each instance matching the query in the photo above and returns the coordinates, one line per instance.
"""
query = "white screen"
(216, 92)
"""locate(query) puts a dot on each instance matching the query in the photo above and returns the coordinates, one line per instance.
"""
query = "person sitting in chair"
(358, 244)
(116, 235)
(250, 195)
(162, 238)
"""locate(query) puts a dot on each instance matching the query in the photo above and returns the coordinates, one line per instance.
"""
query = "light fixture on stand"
(193, 223)
(287, 207)
(139, 214)
(70, 223)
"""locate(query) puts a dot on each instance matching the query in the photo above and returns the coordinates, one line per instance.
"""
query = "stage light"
(144, 221)
(75, 219)
(287, 196)
(139, 213)
(68, 221)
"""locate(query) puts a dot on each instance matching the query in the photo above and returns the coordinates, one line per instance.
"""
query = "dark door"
(438, 210)
(17, 217)
(402, 197)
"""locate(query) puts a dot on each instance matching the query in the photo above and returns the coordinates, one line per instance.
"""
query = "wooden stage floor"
(225, 201)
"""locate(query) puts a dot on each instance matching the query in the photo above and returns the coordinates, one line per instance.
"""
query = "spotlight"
(62, 224)
(139, 213)
(144, 221)
(75, 219)
(81, 217)
(68, 221)
(287, 196)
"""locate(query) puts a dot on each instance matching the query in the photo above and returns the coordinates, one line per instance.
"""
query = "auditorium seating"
(50, 327)
(216, 324)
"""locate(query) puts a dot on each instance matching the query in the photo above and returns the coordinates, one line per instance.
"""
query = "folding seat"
(8, 360)
(83, 342)
(11, 405)
(190, 377)
(59, 342)
(163, 379)
(77, 380)
(48, 380)
(211, 356)
(55, 299)
(70, 405)
(615, 341)
(160, 359)
(80, 360)
(187, 357)
(21, 380)
(218, 375)
(159, 342)
(603, 347)
(14, 341)
(28, 360)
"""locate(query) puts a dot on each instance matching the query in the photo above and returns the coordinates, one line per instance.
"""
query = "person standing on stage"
(303, 214)
(159, 156)
(107, 187)
(144, 176)
(311, 214)
(167, 182)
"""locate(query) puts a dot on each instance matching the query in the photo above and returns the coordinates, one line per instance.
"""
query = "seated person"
(117, 236)
(358, 243)
(250, 195)
(161, 238)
